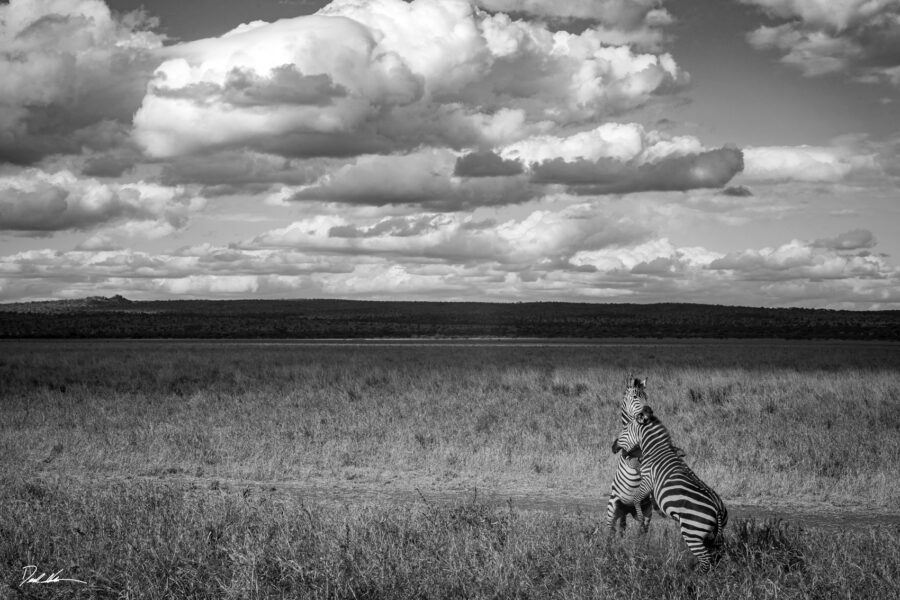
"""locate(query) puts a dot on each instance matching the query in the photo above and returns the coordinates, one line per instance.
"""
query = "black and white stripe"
(677, 490)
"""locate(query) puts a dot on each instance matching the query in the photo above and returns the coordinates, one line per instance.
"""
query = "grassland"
(149, 541)
(795, 424)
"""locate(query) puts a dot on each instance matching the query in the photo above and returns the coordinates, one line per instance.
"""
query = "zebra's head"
(634, 399)
(629, 439)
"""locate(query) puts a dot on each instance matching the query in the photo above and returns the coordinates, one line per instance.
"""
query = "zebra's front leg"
(643, 505)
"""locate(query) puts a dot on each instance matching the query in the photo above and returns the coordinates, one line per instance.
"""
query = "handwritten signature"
(28, 576)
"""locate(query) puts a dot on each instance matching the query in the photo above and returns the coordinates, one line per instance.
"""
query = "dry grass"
(783, 422)
(777, 422)
(147, 541)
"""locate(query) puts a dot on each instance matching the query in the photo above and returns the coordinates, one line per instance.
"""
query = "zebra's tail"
(723, 520)
(716, 537)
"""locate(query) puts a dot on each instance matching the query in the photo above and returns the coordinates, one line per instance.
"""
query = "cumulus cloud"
(623, 142)
(713, 168)
(389, 75)
(805, 163)
(241, 171)
(620, 22)
(577, 253)
(859, 37)
(811, 273)
(424, 178)
(198, 271)
(837, 14)
(541, 236)
(856, 239)
(613, 158)
(32, 200)
(800, 260)
(657, 257)
(813, 52)
(69, 68)
(626, 14)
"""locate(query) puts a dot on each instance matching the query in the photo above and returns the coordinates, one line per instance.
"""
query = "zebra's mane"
(653, 420)
(650, 419)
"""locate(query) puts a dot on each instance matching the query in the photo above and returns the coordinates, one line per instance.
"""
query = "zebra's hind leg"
(698, 545)
(714, 545)
(644, 512)
(616, 511)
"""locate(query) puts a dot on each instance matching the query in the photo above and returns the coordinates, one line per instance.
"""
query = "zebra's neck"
(655, 441)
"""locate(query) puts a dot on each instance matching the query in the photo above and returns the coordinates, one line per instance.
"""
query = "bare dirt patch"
(321, 490)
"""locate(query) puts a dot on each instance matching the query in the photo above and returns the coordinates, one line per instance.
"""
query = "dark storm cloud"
(607, 176)
(44, 209)
(478, 225)
(107, 165)
(51, 130)
(312, 144)
(243, 87)
(661, 266)
(239, 171)
(113, 161)
(286, 86)
(486, 164)
(738, 191)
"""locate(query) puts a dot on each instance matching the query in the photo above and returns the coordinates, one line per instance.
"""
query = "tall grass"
(152, 541)
(779, 422)
(774, 422)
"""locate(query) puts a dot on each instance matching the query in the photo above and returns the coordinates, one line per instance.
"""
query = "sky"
(738, 152)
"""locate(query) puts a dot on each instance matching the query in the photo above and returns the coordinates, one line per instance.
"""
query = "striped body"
(677, 490)
(627, 479)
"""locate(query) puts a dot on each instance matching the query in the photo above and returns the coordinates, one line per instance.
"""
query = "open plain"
(430, 468)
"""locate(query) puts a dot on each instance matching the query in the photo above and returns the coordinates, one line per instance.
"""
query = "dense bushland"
(118, 317)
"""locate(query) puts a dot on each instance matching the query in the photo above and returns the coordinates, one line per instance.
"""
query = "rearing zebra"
(627, 479)
(677, 490)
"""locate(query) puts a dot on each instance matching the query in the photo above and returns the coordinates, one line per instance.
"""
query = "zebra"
(627, 479)
(677, 490)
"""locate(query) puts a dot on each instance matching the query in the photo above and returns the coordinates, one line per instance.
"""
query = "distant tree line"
(118, 317)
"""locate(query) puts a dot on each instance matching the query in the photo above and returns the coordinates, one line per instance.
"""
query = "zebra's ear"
(644, 382)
